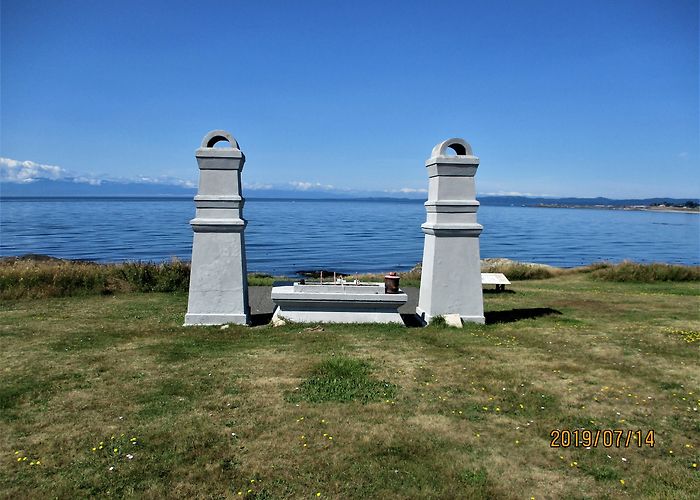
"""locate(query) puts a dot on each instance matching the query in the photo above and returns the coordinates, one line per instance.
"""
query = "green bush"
(51, 279)
(56, 278)
(644, 273)
(517, 271)
(149, 277)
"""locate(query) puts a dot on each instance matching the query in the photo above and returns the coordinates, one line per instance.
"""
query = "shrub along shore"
(35, 276)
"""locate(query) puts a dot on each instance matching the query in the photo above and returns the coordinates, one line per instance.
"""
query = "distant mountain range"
(66, 188)
(45, 188)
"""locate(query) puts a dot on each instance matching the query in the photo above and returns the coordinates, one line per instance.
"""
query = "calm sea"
(285, 236)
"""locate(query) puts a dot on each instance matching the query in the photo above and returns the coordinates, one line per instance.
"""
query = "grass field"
(110, 396)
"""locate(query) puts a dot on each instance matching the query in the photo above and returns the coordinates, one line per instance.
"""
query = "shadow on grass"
(493, 291)
(260, 319)
(513, 315)
(412, 320)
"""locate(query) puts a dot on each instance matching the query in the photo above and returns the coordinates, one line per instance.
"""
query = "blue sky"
(557, 98)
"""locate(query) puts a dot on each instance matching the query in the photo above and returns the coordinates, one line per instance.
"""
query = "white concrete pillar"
(451, 275)
(218, 280)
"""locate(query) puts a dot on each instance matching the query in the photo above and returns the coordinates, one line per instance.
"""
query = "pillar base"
(215, 319)
(427, 318)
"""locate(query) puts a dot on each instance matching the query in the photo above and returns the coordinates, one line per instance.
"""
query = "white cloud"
(161, 179)
(406, 190)
(28, 171)
(87, 180)
(258, 186)
(306, 186)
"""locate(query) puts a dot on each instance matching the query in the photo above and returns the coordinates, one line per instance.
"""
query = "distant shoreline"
(485, 201)
(624, 208)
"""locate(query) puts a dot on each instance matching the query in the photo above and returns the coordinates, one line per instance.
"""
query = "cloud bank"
(306, 186)
(28, 171)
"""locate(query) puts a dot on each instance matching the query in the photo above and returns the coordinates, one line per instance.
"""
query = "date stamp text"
(608, 438)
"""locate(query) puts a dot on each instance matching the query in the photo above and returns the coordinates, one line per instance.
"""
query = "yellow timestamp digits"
(609, 438)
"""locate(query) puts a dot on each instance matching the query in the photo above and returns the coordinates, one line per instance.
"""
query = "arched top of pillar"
(216, 136)
(460, 147)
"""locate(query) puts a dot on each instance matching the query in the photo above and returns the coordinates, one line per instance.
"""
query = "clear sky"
(556, 97)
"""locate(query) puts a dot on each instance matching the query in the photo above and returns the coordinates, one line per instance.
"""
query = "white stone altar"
(337, 302)
(451, 275)
(218, 282)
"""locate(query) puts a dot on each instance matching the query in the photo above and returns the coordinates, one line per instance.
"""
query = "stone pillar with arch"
(451, 270)
(218, 281)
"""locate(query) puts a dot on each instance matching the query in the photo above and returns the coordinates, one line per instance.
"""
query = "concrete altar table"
(337, 303)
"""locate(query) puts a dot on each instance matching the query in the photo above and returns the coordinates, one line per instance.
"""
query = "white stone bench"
(498, 279)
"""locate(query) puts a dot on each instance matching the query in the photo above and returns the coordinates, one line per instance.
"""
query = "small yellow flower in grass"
(252, 480)
(622, 482)
(116, 450)
(24, 459)
(31, 463)
(249, 491)
(695, 465)
(318, 494)
(38, 462)
(94, 449)
(517, 442)
(240, 492)
(19, 459)
(330, 437)
(670, 452)
(16, 452)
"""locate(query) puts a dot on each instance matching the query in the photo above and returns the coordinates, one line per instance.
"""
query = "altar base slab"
(334, 303)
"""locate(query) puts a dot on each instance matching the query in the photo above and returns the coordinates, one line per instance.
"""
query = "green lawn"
(356, 410)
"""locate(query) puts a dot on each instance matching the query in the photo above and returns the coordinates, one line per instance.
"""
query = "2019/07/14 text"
(609, 438)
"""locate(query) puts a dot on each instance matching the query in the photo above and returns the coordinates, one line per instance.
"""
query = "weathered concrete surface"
(451, 280)
(261, 302)
(218, 282)
(334, 303)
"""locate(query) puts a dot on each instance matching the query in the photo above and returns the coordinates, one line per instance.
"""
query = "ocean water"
(285, 236)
